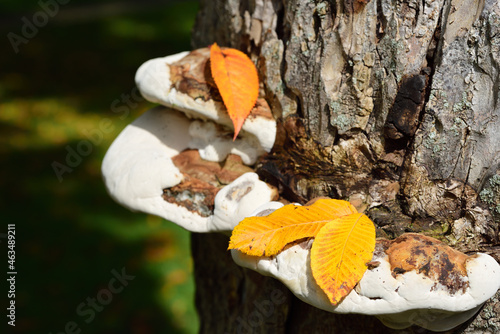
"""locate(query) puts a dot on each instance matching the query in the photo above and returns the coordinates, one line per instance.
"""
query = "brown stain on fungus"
(372, 264)
(191, 75)
(430, 257)
(202, 180)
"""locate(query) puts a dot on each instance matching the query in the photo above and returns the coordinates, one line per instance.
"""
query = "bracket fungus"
(179, 161)
(411, 280)
(183, 82)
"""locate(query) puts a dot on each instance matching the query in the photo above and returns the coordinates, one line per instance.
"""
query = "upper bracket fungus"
(180, 162)
(413, 279)
(183, 82)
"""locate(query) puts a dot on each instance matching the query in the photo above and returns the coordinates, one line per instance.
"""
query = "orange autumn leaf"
(269, 235)
(237, 80)
(340, 252)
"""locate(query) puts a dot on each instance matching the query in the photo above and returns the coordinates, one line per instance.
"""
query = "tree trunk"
(392, 105)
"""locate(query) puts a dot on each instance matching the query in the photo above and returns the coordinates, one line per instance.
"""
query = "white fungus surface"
(399, 302)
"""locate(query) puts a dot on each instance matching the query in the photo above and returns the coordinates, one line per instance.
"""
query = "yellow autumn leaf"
(269, 235)
(340, 252)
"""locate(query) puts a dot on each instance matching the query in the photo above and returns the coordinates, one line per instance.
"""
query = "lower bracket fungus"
(411, 280)
(153, 166)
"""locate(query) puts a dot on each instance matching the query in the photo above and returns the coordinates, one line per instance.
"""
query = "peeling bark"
(392, 105)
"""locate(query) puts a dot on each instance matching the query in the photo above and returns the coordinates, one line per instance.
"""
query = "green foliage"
(56, 90)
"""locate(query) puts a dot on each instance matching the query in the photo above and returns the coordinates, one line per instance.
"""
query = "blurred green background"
(70, 235)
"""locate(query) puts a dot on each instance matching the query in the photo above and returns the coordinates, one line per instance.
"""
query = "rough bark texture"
(392, 105)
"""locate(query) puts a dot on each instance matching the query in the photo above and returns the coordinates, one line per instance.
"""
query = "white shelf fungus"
(168, 162)
(182, 82)
(139, 173)
(413, 279)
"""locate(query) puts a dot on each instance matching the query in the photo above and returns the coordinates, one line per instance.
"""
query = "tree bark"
(392, 105)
